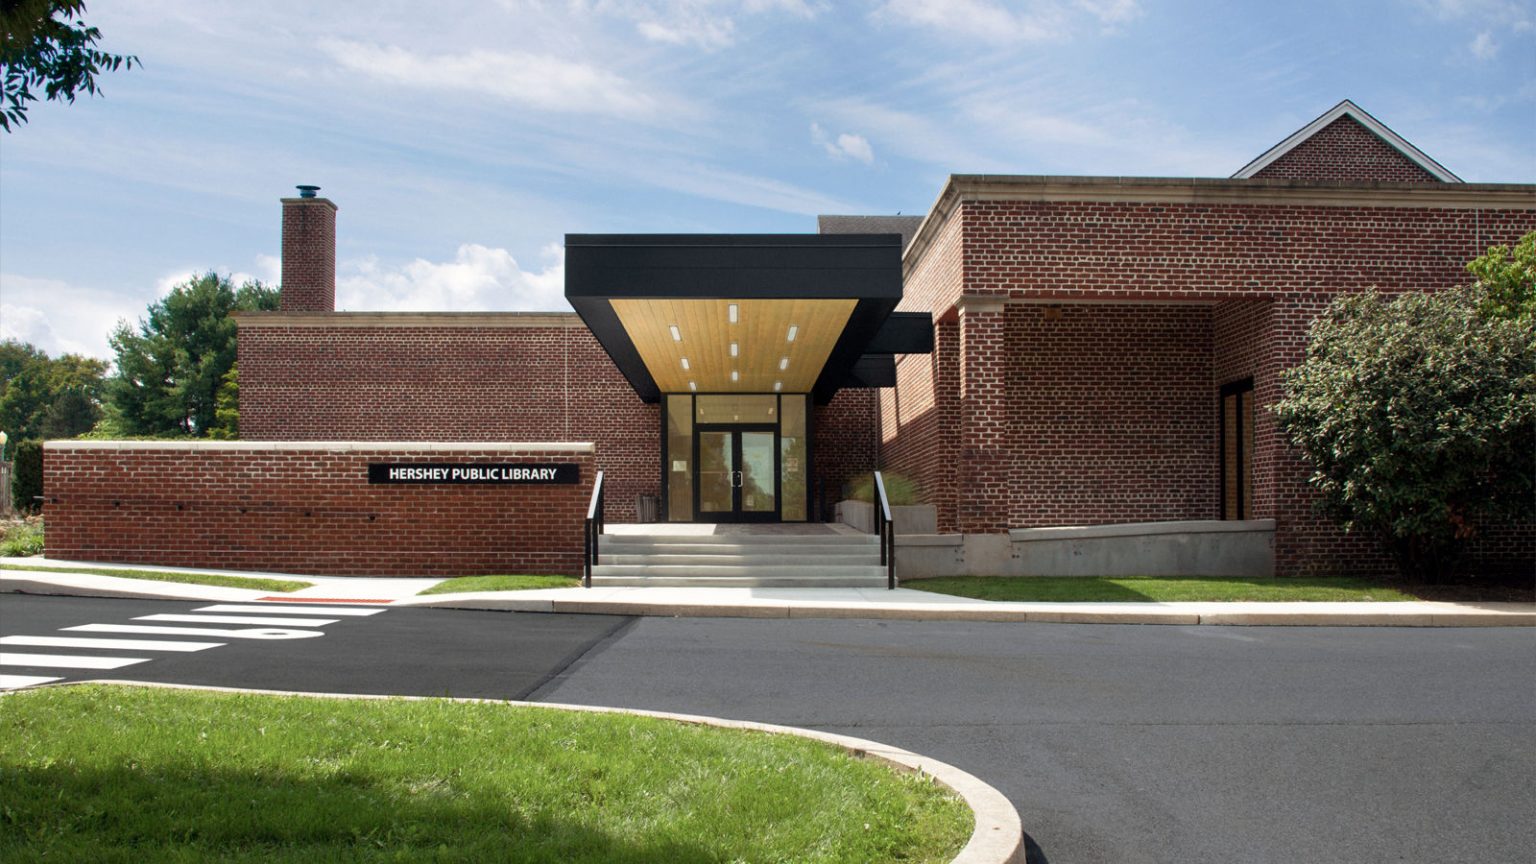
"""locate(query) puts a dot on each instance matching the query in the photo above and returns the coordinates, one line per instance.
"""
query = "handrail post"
(592, 529)
(887, 533)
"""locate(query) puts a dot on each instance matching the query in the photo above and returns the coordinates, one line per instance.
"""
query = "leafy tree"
(1417, 416)
(226, 406)
(170, 369)
(1510, 280)
(45, 44)
(72, 413)
(26, 475)
(34, 383)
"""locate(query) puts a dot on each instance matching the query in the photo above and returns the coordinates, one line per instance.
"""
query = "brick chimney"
(309, 253)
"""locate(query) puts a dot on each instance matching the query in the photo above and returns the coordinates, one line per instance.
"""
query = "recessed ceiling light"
(735, 349)
(793, 330)
(685, 362)
(692, 385)
(778, 385)
(732, 310)
(735, 376)
(677, 335)
(783, 362)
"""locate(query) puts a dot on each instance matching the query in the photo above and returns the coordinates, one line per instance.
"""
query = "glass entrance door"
(737, 473)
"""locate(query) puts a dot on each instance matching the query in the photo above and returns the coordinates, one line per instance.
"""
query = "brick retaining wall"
(307, 507)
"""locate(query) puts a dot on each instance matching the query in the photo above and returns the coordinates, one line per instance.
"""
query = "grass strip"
(1154, 589)
(125, 774)
(501, 583)
(219, 579)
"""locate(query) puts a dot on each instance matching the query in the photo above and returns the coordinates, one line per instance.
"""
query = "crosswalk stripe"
(109, 644)
(11, 682)
(241, 619)
(66, 661)
(249, 633)
(292, 610)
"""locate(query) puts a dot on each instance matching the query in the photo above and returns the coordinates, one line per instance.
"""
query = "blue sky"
(463, 140)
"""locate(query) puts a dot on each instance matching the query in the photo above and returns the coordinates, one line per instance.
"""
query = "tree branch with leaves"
(46, 47)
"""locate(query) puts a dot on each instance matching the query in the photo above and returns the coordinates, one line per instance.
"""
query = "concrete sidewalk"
(869, 603)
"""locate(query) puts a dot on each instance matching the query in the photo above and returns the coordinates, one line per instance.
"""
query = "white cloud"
(1483, 47)
(62, 318)
(710, 33)
(978, 19)
(478, 279)
(708, 24)
(537, 81)
(1111, 12)
(844, 146)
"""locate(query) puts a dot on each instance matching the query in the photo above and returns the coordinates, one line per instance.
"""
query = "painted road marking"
(241, 619)
(109, 644)
(290, 628)
(66, 661)
(291, 610)
(248, 633)
(12, 682)
(322, 600)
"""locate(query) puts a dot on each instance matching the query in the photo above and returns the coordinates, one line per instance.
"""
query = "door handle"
(736, 476)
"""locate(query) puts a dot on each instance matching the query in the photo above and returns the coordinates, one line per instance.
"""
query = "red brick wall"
(846, 442)
(918, 421)
(307, 508)
(442, 383)
(920, 417)
(309, 255)
(1163, 251)
(1345, 150)
(1113, 412)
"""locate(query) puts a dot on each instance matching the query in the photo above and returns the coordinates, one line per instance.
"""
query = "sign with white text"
(511, 474)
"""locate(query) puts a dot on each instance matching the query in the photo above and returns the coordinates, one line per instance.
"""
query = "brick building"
(1074, 369)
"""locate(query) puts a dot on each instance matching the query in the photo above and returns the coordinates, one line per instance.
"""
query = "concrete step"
(740, 581)
(751, 558)
(691, 573)
(766, 553)
(767, 540)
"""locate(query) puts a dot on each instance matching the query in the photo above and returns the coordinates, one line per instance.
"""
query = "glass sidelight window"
(1236, 432)
(678, 469)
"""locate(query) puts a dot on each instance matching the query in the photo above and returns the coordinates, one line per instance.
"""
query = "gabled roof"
(1359, 115)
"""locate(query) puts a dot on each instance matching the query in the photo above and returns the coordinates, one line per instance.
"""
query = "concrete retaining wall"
(1186, 548)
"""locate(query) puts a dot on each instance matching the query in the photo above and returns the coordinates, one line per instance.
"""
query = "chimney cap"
(308, 191)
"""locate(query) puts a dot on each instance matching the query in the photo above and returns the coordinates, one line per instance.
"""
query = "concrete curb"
(866, 604)
(1298, 614)
(997, 838)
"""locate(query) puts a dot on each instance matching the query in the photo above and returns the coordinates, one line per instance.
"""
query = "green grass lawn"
(123, 774)
(501, 583)
(1090, 589)
(253, 583)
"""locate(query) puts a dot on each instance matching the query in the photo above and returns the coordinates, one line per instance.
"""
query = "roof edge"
(1210, 190)
(405, 319)
(1364, 118)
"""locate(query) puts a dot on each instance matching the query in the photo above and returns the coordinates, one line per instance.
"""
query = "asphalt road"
(1116, 743)
(407, 652)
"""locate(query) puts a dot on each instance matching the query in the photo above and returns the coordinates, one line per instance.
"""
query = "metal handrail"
(887, 532)
(592, 531)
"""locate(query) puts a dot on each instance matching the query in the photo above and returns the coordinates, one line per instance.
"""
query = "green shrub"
(900, 490)
(22, 538)
(1416, 415)
(27, 475)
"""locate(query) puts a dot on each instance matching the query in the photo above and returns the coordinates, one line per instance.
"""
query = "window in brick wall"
(1236, 430)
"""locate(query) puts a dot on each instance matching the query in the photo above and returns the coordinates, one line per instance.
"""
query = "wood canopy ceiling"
(761, 334)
